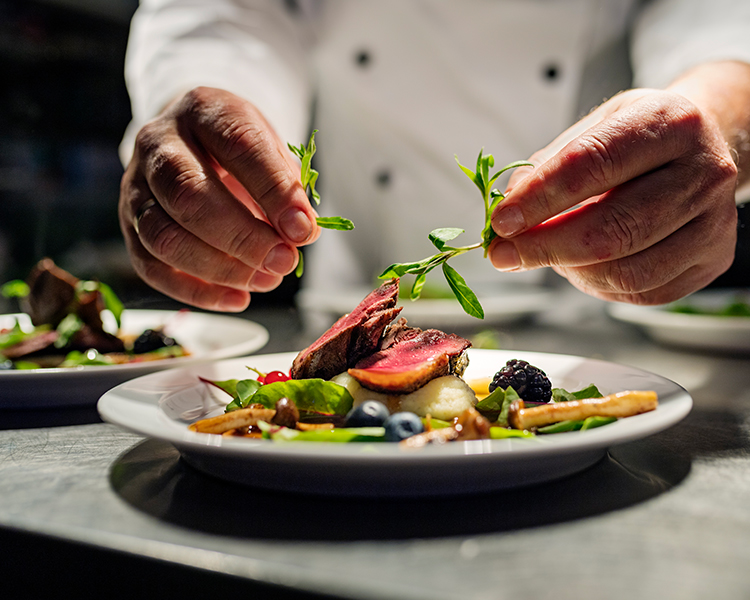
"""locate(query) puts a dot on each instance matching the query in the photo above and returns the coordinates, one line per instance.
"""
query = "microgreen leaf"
(308, 178)
(439, 237)
(465, 296)
(338, 223)
(416, 288)
(67, 328)
(469, 173)
(308, 175)
(112, 302)
(17, 288)
(300, 264)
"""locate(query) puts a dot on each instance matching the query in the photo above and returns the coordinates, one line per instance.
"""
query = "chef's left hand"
(638, 206)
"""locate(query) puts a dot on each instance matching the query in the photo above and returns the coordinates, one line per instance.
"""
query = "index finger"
(629, 143)
(238, 137)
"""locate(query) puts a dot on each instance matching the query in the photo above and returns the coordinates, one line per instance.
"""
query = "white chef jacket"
(398, 87)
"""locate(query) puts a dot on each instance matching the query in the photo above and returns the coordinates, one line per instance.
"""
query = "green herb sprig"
(440, 238)
(309, 177)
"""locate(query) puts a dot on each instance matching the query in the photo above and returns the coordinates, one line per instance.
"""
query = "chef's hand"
(211, 205)
(651, 184)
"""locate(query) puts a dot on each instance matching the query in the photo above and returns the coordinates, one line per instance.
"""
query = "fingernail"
(508, 221)
(504, 257)
(264, 282)
(280, 260)
(234, 300)
(296, 225)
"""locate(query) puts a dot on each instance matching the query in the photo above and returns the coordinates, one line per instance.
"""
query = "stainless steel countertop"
(665, 517)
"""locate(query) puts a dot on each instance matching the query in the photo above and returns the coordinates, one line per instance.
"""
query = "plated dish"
(501, 306)
(207, 337)
(700, 330)
(161, 405)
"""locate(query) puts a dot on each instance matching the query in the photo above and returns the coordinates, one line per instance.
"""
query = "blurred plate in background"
(699, 330)
(205, 336)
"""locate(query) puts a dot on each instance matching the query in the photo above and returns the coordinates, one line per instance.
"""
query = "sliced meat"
(398, 332)
(352, 337)
(90, 307)
(87, 337)
(52, 292)
(31, 345)
(410, 363)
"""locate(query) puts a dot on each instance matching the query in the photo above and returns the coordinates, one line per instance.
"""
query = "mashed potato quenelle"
(443, 398)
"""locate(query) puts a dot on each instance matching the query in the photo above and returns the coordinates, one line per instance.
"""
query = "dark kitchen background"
(63, 109)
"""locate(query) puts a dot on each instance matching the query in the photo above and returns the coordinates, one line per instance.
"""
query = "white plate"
(502, 305)
(162, 404)
(707, 332)
(206, 336)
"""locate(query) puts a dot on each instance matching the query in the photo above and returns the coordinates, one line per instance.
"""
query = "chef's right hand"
(211, 204)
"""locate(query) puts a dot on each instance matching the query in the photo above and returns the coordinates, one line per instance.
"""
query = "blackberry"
(150, 340)
(530, 382)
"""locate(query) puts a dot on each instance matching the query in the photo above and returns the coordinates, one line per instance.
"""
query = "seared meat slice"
(52, 292)
(398, 332)
(31, 345)
(89, 309)
(88, 337)
(411, 362)
(352, 337)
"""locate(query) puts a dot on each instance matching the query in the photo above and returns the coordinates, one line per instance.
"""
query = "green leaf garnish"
(67, 328)
(313, 397)
(17, 288)
(336, 435)
(337, 223)
(82, 359)
(497, 404)
(308, 178)
(466, 297)
(308, 175)
(439, 237)
(111, 302)
(300, 263)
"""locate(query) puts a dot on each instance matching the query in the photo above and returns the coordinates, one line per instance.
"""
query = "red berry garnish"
(275, 376)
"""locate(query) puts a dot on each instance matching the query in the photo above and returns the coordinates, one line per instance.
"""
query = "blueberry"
(370, 413)
(402, 425)
(6, 365)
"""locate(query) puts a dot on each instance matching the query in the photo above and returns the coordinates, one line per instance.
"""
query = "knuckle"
(148, 139)
(627, 276)
(243, 242)
(196, 100)
(535, 252)
(244, 141)
(622, 230)
(163, 163)
(187, 197)
(722, 171)
(599, 158)
(276, 184)
(166, 241)
(232, 274)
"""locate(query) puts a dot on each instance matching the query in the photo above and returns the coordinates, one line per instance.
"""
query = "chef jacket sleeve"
(672, 36)
(253, 48)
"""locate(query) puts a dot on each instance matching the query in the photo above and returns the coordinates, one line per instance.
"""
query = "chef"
(634, 115)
